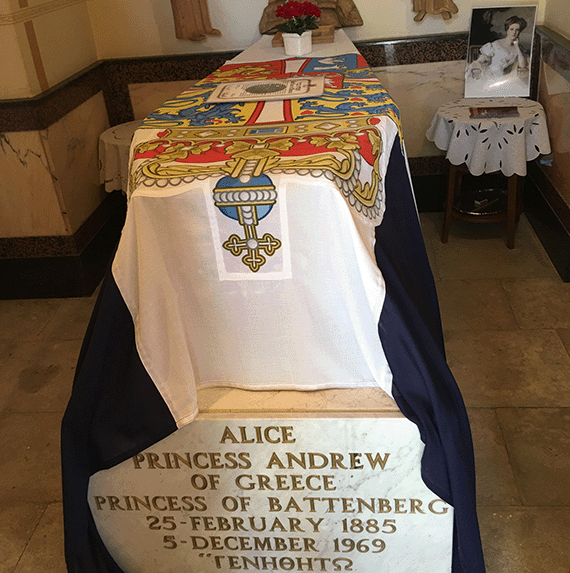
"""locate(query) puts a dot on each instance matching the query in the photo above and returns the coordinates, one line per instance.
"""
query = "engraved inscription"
(280, 495)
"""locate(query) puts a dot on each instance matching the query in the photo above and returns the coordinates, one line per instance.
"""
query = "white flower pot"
(296, 45)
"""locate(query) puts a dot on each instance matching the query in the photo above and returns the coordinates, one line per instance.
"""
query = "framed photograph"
(500, 51)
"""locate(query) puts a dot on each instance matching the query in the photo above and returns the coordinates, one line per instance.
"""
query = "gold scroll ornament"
(192, 20)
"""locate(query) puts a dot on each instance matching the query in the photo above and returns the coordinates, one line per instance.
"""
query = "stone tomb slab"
(312, 491)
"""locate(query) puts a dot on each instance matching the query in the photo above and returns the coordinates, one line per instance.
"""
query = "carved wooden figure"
(445, 8)
(192, 20)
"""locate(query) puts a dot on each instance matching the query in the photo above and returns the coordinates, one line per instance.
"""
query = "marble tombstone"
(288, 485)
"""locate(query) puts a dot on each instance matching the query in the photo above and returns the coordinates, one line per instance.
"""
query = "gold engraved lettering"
(416, 506)
(260, 435)
(198, 460)
(153, 461)
(156, 505)
(313, 465)
(442, 510)
(334, 460)
(274, 460)
(355, 461)
(273, 563)
(377, 460)
(257, 524)
(185, 460)
(236, 543)
(150, 503)
(399, 506)
(356, 505)
(280, 482)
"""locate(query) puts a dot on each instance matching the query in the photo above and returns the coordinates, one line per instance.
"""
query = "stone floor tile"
(44, 553)
(25, 319)
(431, 259)
(6, 386)
(429, 223)
(30, 454)
(474, 305)
(18, 521)
(70, 321)
(565, 337)
(538, 442)
(39, 375)
(495, 480)
(96, 292)
(430, 233)
(480, 251)
(539, 303)
(525, 540)
(511, 368)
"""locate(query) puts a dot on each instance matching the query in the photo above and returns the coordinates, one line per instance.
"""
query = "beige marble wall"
(147, 97)
(72, 145)
(554, 94)
(419, 90)
(50, 178)
(30, 202)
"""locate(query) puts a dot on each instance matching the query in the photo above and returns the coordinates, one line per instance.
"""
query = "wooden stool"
(510, 217)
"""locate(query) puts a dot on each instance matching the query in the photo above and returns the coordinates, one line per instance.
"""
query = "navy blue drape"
(423, 386)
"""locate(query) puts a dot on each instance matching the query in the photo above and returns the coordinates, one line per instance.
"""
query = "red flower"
(299, 16)
(295, 9)
(311, 9)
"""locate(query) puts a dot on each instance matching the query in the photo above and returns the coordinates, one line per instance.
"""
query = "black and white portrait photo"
(499, 52)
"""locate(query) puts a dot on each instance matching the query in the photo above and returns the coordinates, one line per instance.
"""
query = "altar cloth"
(247, 254)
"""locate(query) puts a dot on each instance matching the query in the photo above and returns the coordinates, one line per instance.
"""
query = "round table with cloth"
(489, 144)
(489, 135)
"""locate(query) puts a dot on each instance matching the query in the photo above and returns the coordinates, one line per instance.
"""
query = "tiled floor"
(506, 317)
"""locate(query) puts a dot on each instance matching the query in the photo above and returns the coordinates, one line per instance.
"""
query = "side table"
(114, 147)
(489, 144)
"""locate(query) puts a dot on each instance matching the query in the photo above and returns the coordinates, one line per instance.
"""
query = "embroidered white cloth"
(491, 144)
(247, 257)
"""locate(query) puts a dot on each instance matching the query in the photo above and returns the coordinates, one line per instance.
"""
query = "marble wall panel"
(30, 203)
(554, 94)
(72, 145)
(419, 90)
(147, 97)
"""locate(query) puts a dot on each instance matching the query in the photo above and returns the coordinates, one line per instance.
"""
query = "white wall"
(72, 34)
(57, 32)
(130, 28)
(557, 16)
(66, 41)
(15, 77)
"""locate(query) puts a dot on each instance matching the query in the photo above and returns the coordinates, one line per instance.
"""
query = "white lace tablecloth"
(487, 145)
(114, 146)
